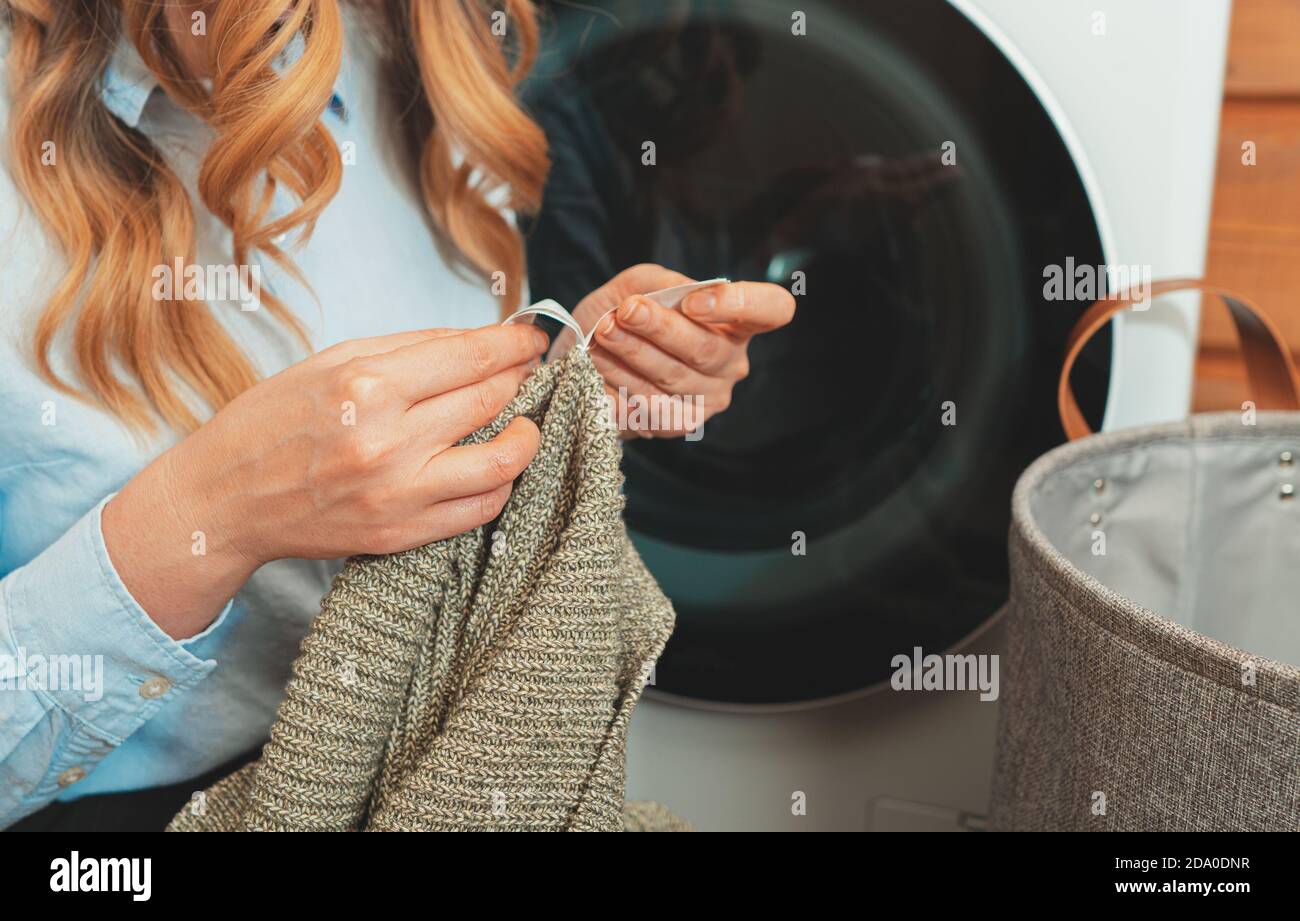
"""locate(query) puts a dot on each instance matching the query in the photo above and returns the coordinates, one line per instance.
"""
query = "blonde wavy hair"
(117, 210)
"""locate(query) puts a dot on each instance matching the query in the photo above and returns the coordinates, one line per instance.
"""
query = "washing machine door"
(888, 164)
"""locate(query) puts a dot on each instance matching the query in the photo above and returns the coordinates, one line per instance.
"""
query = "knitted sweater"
(480, 682)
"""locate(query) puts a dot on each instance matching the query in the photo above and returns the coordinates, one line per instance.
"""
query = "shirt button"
(71, 776)
(155, 688)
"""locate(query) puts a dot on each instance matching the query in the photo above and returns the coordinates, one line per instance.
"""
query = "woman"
(197, 197)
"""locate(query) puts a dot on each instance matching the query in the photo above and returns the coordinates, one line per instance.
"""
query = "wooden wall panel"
(1262, 55)
(1254, 242)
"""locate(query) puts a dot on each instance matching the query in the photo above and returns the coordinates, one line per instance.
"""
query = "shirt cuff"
(104, 661)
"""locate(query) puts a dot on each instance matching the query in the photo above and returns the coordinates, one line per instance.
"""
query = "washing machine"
(914, 172)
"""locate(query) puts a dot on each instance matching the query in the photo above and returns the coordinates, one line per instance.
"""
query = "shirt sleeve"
(82, 666)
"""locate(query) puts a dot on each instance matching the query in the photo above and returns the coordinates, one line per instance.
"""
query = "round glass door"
(885, 162)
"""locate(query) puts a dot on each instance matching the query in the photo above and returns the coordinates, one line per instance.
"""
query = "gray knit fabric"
(475, 683)
(1115, 718)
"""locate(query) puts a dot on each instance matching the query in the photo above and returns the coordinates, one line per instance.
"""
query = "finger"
(639, 279)
(618, 375)
(666, 372)
(456, 516)
(467, 470)
(439, 422)
(376, 345)
(439, 365)
(625, 387)
(644, 278)
(703, 348)
(751, 306)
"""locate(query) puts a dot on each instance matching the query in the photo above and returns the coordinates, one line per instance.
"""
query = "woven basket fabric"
(1103, 696)
(481, 682)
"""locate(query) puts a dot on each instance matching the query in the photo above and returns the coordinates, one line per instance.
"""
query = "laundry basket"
(1151, 680)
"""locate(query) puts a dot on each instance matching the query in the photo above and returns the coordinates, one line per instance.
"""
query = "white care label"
(666, 297)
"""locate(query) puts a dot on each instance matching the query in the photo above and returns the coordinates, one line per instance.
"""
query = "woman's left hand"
(696, 352)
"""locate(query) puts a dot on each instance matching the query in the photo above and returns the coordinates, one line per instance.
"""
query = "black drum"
(889, 165)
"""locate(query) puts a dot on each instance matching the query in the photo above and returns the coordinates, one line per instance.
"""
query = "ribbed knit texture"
(475, 683)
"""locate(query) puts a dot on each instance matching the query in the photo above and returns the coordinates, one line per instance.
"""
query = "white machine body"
(1136, 97)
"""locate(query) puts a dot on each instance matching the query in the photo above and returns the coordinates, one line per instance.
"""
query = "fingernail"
(543, 340)
(609, 329)
(701, 303)
(634, 312)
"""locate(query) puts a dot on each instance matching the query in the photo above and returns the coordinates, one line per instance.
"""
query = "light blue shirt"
(163, 711)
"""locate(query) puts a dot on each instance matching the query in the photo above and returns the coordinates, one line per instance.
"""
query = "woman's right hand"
(351, 451)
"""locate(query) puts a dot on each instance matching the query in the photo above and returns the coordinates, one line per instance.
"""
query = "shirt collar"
(128, 83)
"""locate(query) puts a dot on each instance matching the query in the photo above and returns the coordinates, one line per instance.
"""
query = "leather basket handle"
(1268, 360)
